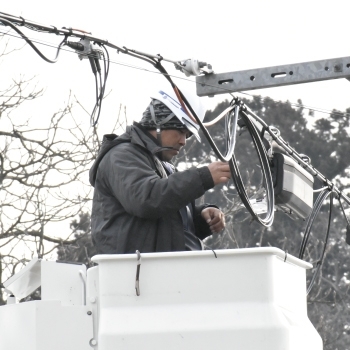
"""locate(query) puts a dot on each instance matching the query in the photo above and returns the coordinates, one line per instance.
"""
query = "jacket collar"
(140, 136)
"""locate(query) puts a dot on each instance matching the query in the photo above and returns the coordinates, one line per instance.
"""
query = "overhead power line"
(297, 105)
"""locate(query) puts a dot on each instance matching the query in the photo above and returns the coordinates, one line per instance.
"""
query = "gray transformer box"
(293, 186)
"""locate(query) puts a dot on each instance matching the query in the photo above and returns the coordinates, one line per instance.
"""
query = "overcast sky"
(230, 35)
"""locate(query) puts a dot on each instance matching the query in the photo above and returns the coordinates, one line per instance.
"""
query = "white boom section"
(228, 299)
(60, 320)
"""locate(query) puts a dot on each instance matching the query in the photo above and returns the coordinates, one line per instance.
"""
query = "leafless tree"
(43, 174)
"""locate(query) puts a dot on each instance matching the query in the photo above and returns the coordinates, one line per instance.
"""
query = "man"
(140, 201)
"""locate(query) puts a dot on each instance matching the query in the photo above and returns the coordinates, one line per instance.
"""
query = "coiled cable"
(239, 107)
(267, 178)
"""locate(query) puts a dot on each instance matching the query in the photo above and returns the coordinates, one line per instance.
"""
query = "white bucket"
(241, 299)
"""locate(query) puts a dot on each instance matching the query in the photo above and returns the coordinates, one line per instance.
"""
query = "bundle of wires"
(100, 82)
(317, 206)
(237, 108)
(266, 173)
(94, 57)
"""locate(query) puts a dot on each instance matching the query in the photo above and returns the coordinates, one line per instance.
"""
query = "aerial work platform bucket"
(242, 299)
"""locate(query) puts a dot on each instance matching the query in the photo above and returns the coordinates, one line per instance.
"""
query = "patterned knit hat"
(162, 117)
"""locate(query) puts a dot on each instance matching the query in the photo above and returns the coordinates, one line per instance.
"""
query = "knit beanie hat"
(163, 117)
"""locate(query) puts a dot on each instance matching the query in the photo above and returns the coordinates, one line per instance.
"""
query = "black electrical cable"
(102, 89)
(315, 109)
(105, 67)
(317, 206)
(102, 86)
(139, 56)
(267, 178)
(8, 23)
(20, 21)
(92, 57)
(320, 260)
(37, 27)
(99, 94)
(92, 116)
(226, 130)
(102, 83)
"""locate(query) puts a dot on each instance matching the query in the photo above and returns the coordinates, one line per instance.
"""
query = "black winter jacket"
(135, 205)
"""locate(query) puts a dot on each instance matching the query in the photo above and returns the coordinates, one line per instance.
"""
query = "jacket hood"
(135, 134)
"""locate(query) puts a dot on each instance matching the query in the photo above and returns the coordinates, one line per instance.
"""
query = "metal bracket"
(215, 84)
(137, 281)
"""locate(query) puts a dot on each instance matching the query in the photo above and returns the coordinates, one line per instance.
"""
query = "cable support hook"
(137, 280)
(69, 30)
(55, 30)
(23, 21)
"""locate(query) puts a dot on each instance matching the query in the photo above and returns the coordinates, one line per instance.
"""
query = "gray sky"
(230, 35)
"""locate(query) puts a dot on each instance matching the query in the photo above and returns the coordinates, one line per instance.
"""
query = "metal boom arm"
(215, 84)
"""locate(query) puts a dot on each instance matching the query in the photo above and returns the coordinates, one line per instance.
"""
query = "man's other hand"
(214, 218)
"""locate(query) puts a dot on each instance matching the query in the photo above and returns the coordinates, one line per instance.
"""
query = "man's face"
(175, 138)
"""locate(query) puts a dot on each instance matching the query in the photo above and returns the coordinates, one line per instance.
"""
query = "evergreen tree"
(326, 142)
(83, 249)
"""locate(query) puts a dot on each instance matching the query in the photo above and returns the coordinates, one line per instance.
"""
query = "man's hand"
(215, 219)
(220, 172)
